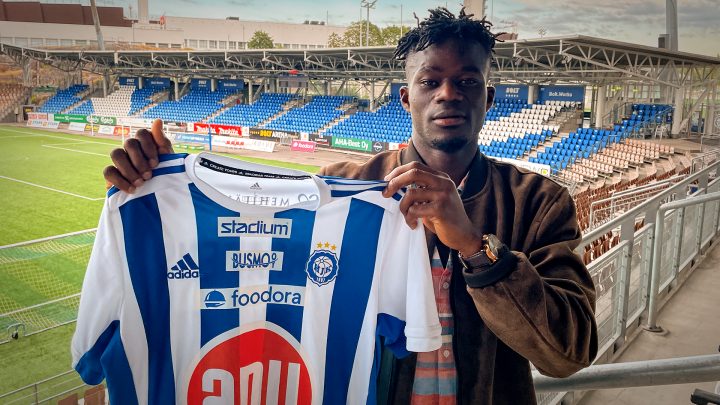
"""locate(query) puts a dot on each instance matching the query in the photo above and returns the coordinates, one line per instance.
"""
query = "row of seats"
(389, 123)
(251, 115)
(575, 146)
(125, 101)
(11, 95)
(591, 143)
(63, 99)
(504, 107)
(195, 106)
(598, 198)
(309, 118)
(520, 132)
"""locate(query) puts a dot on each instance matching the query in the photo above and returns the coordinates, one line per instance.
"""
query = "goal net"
(41, 282)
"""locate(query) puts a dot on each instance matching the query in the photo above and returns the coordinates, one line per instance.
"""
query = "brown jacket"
(538, 304)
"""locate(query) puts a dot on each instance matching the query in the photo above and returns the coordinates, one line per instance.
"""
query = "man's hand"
(432, 196)
(134, 162)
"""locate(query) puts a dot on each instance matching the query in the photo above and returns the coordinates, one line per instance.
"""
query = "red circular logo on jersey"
(255, 367)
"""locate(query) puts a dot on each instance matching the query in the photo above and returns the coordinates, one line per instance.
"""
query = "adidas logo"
(184, 268)
(255, 186)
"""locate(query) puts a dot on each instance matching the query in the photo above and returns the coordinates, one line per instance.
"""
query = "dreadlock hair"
(443, 25)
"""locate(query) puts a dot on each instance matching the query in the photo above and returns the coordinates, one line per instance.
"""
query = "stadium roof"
(572, 59)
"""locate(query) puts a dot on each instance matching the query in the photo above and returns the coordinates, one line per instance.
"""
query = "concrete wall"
(179, 32)
(242, 31)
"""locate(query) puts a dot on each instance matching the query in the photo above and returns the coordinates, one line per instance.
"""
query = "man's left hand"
(432, 196)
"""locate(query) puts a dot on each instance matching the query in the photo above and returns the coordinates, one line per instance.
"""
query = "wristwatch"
(488, 254)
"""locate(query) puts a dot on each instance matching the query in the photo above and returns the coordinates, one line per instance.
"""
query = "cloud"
(240, 3)
(623, 20)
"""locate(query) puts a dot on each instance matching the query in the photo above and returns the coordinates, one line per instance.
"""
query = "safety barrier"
(634, 278)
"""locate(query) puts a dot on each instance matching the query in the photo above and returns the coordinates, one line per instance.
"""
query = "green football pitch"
(50, 184)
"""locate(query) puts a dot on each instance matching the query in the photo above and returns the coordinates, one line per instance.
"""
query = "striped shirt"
(435, 374)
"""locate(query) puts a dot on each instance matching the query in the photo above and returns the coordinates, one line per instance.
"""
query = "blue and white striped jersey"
(227, 282)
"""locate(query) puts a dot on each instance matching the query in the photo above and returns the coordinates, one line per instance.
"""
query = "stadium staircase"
(155, 99)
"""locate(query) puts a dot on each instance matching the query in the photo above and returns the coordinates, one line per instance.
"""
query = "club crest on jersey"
(322, 266)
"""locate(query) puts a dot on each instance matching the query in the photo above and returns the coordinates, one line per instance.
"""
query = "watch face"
(492, 246)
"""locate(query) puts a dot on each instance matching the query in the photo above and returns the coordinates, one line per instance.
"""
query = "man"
(509, 288)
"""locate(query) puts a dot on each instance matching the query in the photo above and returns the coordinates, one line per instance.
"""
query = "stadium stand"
(195, 106)
(268, 105)
(10, 96)
(309, 118)
(579, 145)
(602, 213)
(84, 108)
(513, 129)
(63, 99)
(389, 123)
(140, 99)
(121, 103)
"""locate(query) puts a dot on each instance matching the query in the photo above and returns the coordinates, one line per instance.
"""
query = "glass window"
(21, 42)
(232, 45)
(213, 44)
(66, 42)
(223, 44)
(193, 43)
(36, 42)
(51, 42)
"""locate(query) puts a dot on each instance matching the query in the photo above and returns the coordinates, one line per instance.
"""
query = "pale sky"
(636, 21)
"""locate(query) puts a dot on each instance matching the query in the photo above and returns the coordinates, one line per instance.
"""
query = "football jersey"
(225, 282)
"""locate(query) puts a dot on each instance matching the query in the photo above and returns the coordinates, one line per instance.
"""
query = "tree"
(335, 41)
(353, 32)
(378, 37)
(391, 34)
(260, 40)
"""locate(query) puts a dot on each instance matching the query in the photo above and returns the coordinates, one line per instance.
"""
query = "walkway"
(691, 320)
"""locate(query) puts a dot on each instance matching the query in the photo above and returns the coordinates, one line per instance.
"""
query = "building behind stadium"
(45, 25)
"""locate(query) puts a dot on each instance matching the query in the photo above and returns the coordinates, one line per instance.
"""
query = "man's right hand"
(133, 163)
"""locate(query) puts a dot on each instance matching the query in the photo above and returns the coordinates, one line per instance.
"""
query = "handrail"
(657, 251)
(681, 370)
(629, 193)
(601, 230)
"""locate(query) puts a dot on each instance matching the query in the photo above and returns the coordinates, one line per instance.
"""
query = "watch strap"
(485, 276)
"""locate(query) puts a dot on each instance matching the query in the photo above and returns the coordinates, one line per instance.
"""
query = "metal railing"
(633, 278)
(702, 160)
(46, 391)
(680, 370)
(607, 208)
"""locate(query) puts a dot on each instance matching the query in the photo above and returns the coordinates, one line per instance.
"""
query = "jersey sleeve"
(100, 300)
(408, 314)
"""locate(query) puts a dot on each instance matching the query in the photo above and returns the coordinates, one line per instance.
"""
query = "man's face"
(447, 95)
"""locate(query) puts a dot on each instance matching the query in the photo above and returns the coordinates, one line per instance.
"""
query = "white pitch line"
(76, 143)
(46, 135)
(77, 151)
(53, 189)
(19, 136)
